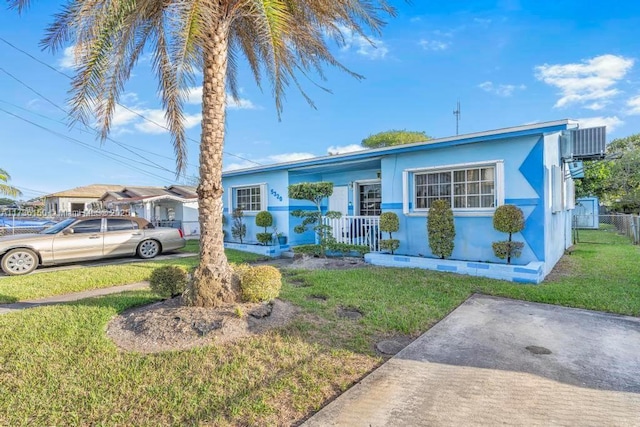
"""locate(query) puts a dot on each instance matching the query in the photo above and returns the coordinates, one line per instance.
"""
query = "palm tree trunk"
(214, 282)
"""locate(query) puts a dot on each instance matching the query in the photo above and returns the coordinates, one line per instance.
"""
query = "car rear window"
(121, 224)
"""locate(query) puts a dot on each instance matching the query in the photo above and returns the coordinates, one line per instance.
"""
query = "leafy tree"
(394, 137)
(6, 189)
(441, 229)
(4, 201)
(315, 192)
(190, 39)
(508, 219)
(616, 182)
(389, 223)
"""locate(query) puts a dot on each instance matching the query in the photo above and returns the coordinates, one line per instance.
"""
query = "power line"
(89, 127)
(79, 129)
(88, 146)
(121, 105)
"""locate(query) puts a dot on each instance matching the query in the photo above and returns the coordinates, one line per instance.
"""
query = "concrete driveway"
(499, 361)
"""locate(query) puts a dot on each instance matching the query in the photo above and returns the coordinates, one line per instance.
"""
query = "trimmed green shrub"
(441, 229)
(264, 238)
(259, 283)
(239, 228)
(390, 245)
(169, 281)
(389, 223)
(346, 248)
(508, 219)
(312, 250)
(505, 249)
(264, 219)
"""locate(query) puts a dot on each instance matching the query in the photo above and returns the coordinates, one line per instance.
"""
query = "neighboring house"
(174, 206)
(524, 166)
(77, 200)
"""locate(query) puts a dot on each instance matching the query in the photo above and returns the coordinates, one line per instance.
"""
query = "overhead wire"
(122, 145)
(138, 114)
(88, 146)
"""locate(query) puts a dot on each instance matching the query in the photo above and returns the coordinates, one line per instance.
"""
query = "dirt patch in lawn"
(306, 262)
(564, 268)
(169, 325)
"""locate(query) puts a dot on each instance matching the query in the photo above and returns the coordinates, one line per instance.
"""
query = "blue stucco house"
(524, 165)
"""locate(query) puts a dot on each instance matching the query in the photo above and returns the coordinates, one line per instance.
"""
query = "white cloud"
(68, 58)
(274, 158)
(482, 21)
(634, 106)
(612, 123)
(370, 48)
(590, 83)
(434, 45)
(145, 120)
(287, 157)
(505, 90)
(342, 149)
(242, 164)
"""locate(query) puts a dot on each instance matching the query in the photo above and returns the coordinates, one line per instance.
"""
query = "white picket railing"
(356, 230)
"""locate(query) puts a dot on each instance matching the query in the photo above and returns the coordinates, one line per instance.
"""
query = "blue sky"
(509, 62)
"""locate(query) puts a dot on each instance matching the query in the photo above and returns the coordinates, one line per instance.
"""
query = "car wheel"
(19, 261)
(148, 249)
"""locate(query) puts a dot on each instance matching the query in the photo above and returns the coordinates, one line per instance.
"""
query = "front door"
(339, 200)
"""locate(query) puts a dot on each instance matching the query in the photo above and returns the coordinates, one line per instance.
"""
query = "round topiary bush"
(169, 281)
(259, 283)
(264, 219)
(508, 219)
(389, 223)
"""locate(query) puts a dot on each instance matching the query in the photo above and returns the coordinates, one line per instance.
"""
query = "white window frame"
(409, 188)
(264, 196)
(356, 192)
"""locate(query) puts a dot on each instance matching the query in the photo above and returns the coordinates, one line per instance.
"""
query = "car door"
(83, 239)
(122, 237)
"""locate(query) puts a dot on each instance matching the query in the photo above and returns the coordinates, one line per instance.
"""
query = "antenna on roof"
(457, 113)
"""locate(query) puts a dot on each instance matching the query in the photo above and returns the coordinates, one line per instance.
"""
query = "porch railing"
(356, 230)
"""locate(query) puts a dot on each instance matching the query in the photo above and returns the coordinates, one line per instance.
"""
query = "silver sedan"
(87, 238)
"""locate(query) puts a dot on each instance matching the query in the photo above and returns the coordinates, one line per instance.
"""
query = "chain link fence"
(625, 224)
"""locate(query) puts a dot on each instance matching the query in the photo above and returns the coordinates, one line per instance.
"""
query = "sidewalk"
(58, 299)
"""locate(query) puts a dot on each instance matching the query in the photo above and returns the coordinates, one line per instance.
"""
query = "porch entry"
(364, 227)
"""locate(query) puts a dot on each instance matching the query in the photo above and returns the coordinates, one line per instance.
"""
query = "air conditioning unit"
(589, 143)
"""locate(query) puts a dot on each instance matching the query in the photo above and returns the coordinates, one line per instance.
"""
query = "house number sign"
(276, 195)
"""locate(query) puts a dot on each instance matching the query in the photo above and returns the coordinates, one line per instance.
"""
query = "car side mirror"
(68, 231)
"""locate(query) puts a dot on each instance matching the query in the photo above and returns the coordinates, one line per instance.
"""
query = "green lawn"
(58, 367)
(33, 286)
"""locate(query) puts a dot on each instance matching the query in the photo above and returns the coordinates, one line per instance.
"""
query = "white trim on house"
(409, 188)
(264, 197)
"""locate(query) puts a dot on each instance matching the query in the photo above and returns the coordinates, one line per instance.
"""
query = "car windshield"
(54, 229)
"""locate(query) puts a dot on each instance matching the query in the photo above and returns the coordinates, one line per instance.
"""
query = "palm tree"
(278, 38)
(6, 189)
